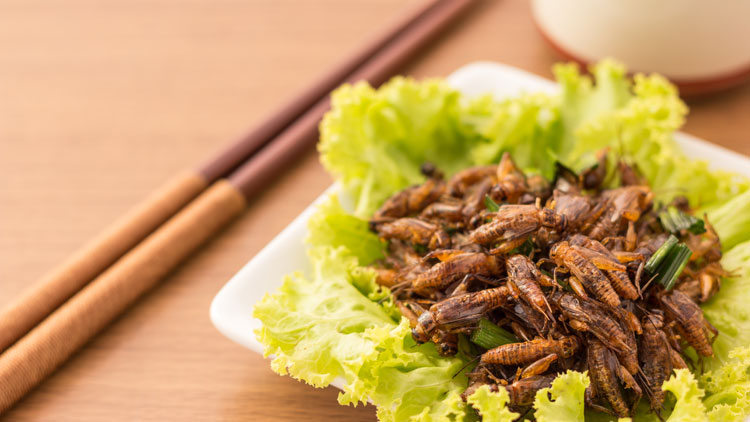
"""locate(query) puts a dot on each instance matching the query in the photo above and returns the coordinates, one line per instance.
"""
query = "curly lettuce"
(336, 323)
(563, 401)
(492, 406)
(331, 326)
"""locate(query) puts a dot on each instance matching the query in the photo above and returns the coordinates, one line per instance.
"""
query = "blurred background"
(102, 101)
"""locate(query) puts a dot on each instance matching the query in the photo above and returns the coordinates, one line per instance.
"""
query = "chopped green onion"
(673, 220)
(672, 266)
(489, 335)
(660, 254)
(491, 205)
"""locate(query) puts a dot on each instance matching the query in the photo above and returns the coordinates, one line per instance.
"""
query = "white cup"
(701, 45)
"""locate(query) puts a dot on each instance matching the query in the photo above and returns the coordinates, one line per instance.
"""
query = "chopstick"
(54, 340)
(22, 314)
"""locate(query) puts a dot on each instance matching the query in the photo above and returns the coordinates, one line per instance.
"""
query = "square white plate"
(231, 309)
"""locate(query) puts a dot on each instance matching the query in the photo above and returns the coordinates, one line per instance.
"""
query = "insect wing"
(601, 260)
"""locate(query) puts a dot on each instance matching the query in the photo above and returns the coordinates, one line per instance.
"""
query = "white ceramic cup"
(701, 45)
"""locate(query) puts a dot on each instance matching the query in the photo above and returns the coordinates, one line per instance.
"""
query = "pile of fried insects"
(549, 276)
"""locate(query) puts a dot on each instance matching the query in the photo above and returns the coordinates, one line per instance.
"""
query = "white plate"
(231, 309)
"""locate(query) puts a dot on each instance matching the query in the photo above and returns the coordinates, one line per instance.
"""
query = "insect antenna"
(645, 312)
(638, 275)
(466, 366)
(649, 282)
(644, 381)
(658, 413)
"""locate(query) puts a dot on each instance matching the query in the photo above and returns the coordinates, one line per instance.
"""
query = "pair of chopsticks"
(58, 315)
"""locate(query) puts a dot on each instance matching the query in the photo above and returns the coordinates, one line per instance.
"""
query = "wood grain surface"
(100, 102)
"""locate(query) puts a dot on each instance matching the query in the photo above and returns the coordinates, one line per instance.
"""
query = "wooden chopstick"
(22, 314)
(53, 341)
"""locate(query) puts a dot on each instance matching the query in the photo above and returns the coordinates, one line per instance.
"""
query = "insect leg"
(443, 254)
(589, 398)
(508, 245)
(638, 275)
(539, 366)
(625, 257)
(462, 286)
(710, 328)
(677, 361)
(577, 287)
(630, 237)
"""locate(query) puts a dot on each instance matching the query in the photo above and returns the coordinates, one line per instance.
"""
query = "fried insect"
(709, 280)
(412, 200)
(593, 177)
(460, 183)
(538, 187)
(524, 279)
(448, 211)
(624, 204)
(617, 274)
(447, 343)
(523, 391)
(511, 183)
(655, 358)
(385, 277)
(585, 267)
(454, 265)
(587, 316)
(629, 174)
(533, 319)
(578, 210)
(401, 255)
(512, 224)
(414, 231)
(603, 369)
(474, 201)
(530, 351)
(459, 310)
(689, 320)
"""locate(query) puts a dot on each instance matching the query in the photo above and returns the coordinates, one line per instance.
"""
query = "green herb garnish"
(489, 335)
(660, 254)
(673, 220)
(672, 265)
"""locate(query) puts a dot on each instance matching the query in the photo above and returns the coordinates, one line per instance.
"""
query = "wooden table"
(100, 102)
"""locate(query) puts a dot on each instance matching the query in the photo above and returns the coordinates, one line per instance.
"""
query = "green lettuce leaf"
(492, 406)
(527, 126)
(583, 104)
(689, 406)
(563, 401)
(374, 141)
(324, 327)
(728, 310)
(332, 225)
(732, 220)
(728, 388)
